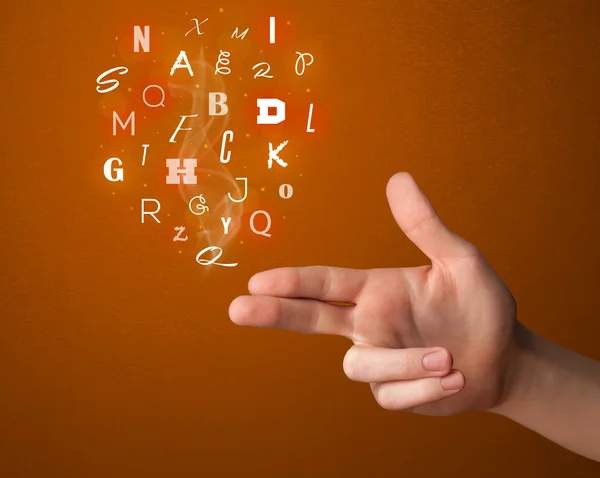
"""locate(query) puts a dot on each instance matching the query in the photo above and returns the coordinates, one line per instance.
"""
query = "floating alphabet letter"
(245, 190)
(101, 81)
(264, 104)
(109, 170)
(150, 213)
(141, 39)
(187, 172)
(205, 262)
(273, 155)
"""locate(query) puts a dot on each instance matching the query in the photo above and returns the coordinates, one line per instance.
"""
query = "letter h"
(187, 172)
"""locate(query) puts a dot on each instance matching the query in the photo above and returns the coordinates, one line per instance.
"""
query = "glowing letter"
(144, 157)
(116, 119)
(274, 155)
(187, 172)
(108, 170)
(245, 190)
(264, 232)
(300, 72)
(225, 135)
(263, 114)
(286, 191)
(197, 27)
(144, 212)
(223, 60)
(235, 33)
(217, 99)
(182, 62)
(308, 128)
(160, 103)
(178, 237)
(226, 224)
(179, 128)
(199, 208)
(262, 71)
(272, 30)
(205, 262)
(139, 39)
(101, 81)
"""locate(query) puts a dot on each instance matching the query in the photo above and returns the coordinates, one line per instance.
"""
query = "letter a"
(182, 62)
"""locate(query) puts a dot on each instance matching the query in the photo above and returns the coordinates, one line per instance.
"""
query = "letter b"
(217, 99)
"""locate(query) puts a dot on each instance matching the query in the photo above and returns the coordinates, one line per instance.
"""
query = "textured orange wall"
(117, 357)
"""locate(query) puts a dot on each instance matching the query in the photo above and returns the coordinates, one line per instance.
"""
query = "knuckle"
(429, 391)
(386, 398)
(354, 364)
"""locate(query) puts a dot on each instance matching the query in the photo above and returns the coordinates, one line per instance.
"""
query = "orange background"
(117, 357)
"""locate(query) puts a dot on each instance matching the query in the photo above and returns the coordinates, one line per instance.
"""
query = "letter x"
(197, 27)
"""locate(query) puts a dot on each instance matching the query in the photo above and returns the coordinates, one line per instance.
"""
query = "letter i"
(272, 29)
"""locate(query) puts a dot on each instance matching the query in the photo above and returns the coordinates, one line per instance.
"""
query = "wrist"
(522, 372)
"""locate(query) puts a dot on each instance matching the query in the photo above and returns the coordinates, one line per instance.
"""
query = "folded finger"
(300, 315)
(405, 394)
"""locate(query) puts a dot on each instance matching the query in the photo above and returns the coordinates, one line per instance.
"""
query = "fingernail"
(453, 381)
(436, 361)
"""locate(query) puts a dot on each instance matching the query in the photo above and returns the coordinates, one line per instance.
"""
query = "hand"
(435, 339)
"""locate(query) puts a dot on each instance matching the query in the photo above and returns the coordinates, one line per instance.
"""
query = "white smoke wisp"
(202, 142)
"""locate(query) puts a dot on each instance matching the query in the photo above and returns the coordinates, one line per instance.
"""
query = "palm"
(458, 303)
(425, 307)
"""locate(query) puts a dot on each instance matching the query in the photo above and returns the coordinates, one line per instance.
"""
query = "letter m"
(240, 36)
(117, 119)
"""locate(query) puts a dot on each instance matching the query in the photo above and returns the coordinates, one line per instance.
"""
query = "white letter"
(273, 155)
(245, 190)
(100, 80)
(205, 262)
(130, 118)
(225, 135)
(308, 128)
(138, 38)
(265, 232)
(199, 208)
(235, 33)
(262, 71)
(217, 99)
(144, 157)
(223, 60)
(272, 30)
(182, 62)
(187, 172)
(160, 103)
(178, 237)
(286, 191)
(148, 212)
(108, 170)
(179, 128)
(304, 64)
(197, 27)
(226, 224)
(263, 114)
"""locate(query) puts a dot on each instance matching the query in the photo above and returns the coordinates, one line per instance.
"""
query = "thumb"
(420, 222)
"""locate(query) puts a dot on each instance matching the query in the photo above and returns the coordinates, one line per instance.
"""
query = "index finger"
(331, 284)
